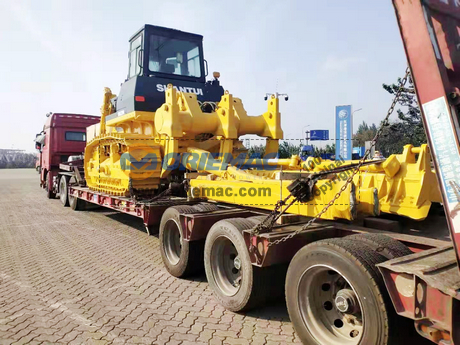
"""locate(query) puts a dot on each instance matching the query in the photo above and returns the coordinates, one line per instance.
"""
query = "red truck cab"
(63, 135)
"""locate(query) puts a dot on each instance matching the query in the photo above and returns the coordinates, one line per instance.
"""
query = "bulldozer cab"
(160, 56)
(166, 53)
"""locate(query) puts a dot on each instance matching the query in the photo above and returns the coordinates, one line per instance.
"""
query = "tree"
(363, 134)
(13, 160)
(256, 151)
(328, 149)
(408, 127)
(286, 149)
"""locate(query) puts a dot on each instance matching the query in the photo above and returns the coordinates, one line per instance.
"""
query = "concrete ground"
(96, 277)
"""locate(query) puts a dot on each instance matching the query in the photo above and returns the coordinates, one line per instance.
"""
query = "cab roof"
(62, 118)
(169, 31)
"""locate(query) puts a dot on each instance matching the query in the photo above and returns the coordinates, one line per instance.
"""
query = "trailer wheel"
(202, 207)
(49, 184)
(181, 258)
(236, 283)
(76, 204)
(335, 295)
(64, 190)
(384, 245)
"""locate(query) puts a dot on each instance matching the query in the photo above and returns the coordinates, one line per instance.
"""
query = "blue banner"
(343, 132)
(319, 134)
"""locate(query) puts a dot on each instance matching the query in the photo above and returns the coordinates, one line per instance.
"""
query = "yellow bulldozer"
(171, 132)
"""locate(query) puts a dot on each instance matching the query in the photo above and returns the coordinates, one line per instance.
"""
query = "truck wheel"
(335, 295)
(64, 190)
(49, 185)
(236, 283)
(181, 258)
(76, 204)
(384, 245)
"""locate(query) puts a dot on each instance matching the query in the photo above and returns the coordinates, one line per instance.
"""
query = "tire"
(203, 207)
(64, 190)
(76, 204)
(180, 258)
(49, 184)
(321, 272)
(255, 220)
(224, 244)
(384, 245)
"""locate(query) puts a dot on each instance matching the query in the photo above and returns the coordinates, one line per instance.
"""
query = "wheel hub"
(226, 266)
(329, 307)
(237, 263)
(346, 301)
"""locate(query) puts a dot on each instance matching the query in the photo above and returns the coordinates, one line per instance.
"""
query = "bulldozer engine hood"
(147, 93)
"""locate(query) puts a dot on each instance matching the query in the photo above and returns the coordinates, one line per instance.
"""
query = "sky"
(57, 56)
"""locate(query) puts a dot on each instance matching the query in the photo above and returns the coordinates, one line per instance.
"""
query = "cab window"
(75, 136)
(134, 68)
(174, 56)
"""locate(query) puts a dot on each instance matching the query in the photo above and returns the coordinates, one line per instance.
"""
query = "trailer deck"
(195, 225)
(150, 212)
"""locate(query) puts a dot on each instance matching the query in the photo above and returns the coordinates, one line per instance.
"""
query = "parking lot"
(97, 277)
